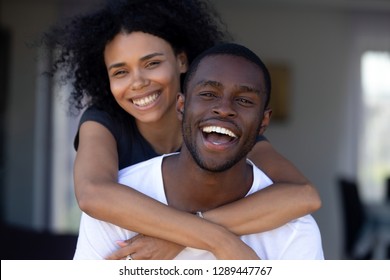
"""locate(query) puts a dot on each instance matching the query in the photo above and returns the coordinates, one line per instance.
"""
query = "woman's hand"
(235, 249)
(142, 247)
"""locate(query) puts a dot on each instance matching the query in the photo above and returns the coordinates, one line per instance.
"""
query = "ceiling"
(350, 5)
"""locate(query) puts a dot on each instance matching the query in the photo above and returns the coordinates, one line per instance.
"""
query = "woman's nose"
(138, 81)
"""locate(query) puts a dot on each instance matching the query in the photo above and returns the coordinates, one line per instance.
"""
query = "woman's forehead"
(138, 44)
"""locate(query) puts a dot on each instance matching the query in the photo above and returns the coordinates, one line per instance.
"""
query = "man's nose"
(225, 108)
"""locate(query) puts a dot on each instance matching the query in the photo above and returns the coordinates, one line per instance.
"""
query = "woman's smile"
(146, 101)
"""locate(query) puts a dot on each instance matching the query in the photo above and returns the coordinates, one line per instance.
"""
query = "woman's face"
(144, 74)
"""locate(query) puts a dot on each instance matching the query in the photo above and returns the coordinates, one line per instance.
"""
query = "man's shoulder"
(145, 166)
(260, 179)
(145, 177)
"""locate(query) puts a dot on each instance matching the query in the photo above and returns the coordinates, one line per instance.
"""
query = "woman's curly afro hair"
(188, 25)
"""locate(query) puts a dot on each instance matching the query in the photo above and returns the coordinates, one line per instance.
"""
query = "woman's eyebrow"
(149, 56)
(146, 57)
(116, 65)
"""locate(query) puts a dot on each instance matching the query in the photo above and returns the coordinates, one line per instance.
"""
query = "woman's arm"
(98, 195)
(291, 196)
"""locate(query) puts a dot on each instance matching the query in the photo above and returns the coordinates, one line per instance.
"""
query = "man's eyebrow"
(144, 58)
(204, 83)
(246, 88)
(238, 88)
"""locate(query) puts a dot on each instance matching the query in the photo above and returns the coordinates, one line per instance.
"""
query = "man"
(223, 110)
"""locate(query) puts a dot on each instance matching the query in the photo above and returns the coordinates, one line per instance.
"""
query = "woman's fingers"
(142, 247)
(123, 252)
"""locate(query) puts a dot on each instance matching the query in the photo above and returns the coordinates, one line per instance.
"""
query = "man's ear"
(180, 105)
(266, 120)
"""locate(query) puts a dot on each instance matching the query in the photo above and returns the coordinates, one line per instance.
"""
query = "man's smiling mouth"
(218, 135)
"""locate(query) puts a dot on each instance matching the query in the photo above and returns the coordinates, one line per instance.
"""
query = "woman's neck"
(164, 135)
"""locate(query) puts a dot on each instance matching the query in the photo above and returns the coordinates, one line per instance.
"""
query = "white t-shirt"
(298, 239)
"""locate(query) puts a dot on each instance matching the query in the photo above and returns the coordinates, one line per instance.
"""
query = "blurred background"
(330, 61)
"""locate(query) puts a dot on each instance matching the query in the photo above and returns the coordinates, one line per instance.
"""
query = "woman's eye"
(119, 73)
(152, 64)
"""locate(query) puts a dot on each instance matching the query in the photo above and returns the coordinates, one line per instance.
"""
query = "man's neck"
(191, 188)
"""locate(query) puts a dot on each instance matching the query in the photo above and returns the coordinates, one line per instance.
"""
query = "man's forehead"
(223, 61)
(230, 67)
(219, 58)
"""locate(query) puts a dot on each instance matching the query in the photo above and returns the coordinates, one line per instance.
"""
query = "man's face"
(223, 111)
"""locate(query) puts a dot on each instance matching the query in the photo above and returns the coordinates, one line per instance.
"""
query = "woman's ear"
(183, 62)
(180, 105)
(266, 120)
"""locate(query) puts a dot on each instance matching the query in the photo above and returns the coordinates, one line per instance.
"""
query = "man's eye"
(244, 101)
(207, 94)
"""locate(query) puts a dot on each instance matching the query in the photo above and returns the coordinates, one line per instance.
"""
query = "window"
(55, 205)
(65, 213)
(374, 144)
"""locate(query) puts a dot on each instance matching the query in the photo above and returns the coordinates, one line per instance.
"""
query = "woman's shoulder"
(110, 120)
(120, 128)
(94, 113)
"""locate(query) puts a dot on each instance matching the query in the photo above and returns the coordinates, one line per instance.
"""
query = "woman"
(130, 87)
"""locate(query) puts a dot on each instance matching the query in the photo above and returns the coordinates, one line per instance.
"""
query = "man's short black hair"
(232, 49)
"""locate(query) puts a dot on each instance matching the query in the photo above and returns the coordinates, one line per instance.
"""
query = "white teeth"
(218, 129)
(146, 100)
